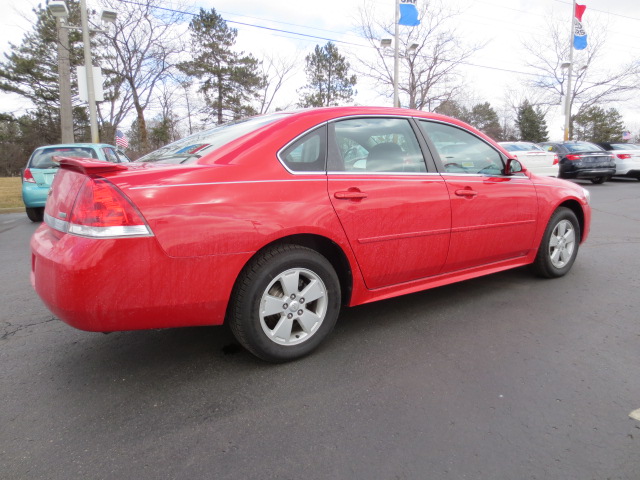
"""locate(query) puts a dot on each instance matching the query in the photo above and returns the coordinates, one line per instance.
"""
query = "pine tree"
(484, 118)
(329, 83)
(531, 123)
(31, 71)
(230, 81)
(597, 125)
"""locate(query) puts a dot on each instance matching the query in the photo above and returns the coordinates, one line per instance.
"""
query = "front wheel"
(598, 180)
(559, 246)
(286, 301)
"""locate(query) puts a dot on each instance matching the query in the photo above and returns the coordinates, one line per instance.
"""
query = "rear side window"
(308, 153)
(43, 158)
(461, 152)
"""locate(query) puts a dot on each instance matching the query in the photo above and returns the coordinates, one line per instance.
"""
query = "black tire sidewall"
(245, 319)
(543, 265)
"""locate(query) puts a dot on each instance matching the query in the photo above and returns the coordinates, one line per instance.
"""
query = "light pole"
(60, 11)
(386, 43)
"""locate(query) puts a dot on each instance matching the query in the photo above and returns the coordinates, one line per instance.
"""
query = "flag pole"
(396, 56)
(567, 106)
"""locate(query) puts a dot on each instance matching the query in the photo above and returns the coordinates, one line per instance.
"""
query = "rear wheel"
(559, 246)
(35, 214)
(285, 303)
(599, 180)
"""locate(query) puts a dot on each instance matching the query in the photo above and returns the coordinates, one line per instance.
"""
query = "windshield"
(43, 158)
(195, 146)
(582, 147)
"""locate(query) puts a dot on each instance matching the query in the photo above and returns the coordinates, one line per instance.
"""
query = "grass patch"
(11, 194)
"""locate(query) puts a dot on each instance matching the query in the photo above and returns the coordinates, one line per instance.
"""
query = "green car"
(41, 168)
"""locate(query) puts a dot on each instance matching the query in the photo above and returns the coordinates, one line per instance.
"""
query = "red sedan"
(272, 224)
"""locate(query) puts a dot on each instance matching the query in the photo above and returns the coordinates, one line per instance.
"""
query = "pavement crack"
(7, 329)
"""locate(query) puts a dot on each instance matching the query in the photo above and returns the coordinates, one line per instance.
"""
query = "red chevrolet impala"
(272, 224)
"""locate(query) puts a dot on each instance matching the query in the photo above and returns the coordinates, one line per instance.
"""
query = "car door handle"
(350, 195)
(466, 192)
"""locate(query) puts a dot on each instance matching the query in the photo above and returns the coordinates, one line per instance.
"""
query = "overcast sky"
(502, 24)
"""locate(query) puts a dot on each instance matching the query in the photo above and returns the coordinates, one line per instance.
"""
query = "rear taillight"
(623, 156)
(102, 210)
(574, 157)
(556, 160)
(27, 176)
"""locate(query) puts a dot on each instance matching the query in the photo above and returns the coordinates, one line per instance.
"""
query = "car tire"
(598, 180)
(559, 246)
(35, 214)
(269, 314)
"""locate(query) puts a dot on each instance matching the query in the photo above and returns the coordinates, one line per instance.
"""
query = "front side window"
(461, 151)
(376, 145)
(308, 153)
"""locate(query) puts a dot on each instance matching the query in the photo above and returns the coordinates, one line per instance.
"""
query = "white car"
(534, 158)
(627, 158)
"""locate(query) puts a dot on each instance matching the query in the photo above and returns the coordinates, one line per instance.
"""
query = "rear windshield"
(520, 147)
(623, 146)
(582, 147)
(190, 148)
(43, 158)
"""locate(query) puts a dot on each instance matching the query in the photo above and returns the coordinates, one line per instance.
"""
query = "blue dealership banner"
(408, 13)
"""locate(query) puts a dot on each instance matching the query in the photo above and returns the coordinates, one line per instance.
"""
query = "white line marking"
(635, 414)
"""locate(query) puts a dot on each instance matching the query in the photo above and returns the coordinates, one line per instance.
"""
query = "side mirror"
(514, 166)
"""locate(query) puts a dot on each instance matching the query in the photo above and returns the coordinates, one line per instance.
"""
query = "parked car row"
(597, 162)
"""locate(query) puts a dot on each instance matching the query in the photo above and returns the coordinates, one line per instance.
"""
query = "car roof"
(75, 145)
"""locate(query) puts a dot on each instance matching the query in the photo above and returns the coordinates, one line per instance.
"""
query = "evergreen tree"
(230, 80)
(531, 123)
(483, 117)
(31, 71)
(451, 108)
(329, 83)
(597, 125)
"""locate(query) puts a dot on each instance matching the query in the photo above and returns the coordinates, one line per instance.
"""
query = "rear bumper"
(588, 173)
(34, 196)
(128, 284)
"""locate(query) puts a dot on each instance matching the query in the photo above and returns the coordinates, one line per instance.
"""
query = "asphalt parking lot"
(502, 377)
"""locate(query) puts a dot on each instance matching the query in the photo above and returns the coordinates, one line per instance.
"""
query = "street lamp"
(387, 43)
(59, 10)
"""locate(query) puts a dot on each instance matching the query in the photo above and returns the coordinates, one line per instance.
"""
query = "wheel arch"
(325, 247)
(576, 208)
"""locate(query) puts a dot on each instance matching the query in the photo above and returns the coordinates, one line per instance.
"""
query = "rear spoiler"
(88, 166)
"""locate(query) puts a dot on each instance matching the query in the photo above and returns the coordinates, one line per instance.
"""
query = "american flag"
(121, 139)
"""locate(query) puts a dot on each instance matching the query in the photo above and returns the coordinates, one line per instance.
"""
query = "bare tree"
(591, 83)
(429, 72)
(139, 54)
(276, 71)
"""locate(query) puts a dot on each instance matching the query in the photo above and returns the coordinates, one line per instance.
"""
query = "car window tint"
(582, 147)
(43, 158)
(377, 145)
(461, 152)
(122, 157)
(189, 149)
(308, 153)
(110, 155)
